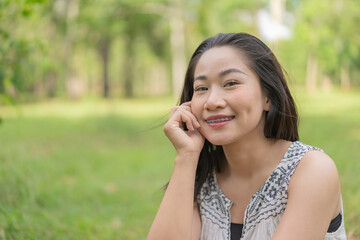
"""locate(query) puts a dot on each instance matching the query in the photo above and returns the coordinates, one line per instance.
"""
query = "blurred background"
(86, 85)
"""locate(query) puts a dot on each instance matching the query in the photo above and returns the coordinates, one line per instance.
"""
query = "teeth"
(219, 120)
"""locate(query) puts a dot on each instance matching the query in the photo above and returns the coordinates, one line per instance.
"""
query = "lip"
(218, 121)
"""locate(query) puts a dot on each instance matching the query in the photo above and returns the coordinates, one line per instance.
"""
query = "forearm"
(174, 217)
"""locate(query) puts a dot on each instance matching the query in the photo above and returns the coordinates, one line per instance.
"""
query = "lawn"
(95, 169)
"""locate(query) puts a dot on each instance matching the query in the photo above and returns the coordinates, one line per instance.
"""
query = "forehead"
(219, 58)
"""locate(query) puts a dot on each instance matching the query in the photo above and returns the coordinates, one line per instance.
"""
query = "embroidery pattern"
(268, 202)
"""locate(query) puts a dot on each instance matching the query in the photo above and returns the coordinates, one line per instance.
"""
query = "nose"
(215, 100)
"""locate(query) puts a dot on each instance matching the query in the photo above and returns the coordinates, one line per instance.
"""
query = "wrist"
(189, 159)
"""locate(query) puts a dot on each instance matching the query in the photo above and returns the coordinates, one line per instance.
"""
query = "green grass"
(82, 171)
(331, 121)
(94, 170)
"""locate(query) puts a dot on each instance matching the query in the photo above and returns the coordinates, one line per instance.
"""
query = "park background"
(86, 85)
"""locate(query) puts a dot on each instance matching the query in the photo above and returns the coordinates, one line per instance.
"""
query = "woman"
(240, 171)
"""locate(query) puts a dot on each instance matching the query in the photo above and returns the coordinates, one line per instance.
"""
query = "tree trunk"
(177, 41)
(326, 83)
(50, 84)
(129, 67)
(156, 80)
(71, 12)
(104, 53)
(277, 9)
(345, 77)
(175, 14)
(311, 73)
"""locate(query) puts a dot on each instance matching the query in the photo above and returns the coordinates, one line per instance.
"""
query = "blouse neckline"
(229, 202)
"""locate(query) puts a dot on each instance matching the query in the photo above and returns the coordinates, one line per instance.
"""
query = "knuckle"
(185, 107)
(185, 118)
(173, 110)
(166, 127)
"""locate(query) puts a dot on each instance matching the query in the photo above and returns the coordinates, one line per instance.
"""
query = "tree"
(17, 50)
(99, 20)
(106, 21)
(326, 30)
(64, 14)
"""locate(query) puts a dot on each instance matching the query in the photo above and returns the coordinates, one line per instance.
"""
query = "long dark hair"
(282, 119)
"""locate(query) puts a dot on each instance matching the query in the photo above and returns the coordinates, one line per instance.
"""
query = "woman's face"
(228, 101)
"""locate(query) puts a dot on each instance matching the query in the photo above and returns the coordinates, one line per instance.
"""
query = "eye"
(200, 88)
(230, 83)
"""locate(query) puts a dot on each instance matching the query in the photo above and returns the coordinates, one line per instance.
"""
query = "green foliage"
(106, 22)
(212, 17)
(47, 44)
(327, 31)
(17, 48)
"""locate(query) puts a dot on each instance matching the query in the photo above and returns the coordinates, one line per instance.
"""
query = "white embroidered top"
(266, 207)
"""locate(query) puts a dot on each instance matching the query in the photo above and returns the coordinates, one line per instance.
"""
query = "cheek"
(197, 107)
(243, 98)
(251, 94)
(247, 101)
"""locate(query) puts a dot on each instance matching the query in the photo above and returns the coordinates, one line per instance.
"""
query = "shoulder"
(314, 198)
(315, 180)
(316, 166)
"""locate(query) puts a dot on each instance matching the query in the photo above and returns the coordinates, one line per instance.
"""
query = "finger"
(179, 108)
(194, 120)
(190, 126)
(183, 117)
(178, 116)
(183, 114)
(188, 104)
(188, 119)
(174, 109)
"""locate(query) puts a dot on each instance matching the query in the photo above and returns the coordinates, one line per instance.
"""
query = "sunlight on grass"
(356, 134)
(128, 107)
(328, 102)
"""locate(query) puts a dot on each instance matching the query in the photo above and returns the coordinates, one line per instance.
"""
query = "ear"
(267, 105)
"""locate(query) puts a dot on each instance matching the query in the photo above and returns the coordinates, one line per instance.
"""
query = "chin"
(219, 141)
(216, 138)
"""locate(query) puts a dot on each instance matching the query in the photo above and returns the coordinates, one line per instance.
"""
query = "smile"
(218, 121)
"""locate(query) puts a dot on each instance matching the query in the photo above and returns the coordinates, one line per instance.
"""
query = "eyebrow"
(221, 74)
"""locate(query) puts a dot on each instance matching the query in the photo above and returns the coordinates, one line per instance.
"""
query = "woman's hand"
(176, 217)
(185, 142)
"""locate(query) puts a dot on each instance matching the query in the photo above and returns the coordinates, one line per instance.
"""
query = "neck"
(247, 157)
